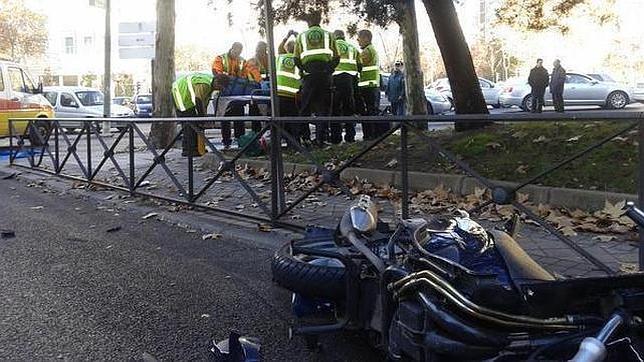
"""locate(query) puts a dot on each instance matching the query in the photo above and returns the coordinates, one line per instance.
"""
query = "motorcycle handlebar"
(635, 214)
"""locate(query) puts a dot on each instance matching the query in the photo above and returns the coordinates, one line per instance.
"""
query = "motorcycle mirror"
(364, 215)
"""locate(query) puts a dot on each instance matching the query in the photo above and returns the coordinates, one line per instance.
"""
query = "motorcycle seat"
(521, 267)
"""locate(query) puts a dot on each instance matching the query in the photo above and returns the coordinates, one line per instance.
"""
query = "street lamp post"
(107, 76)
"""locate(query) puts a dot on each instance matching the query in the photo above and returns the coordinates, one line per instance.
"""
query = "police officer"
(191, 94)
(288, 88)
(369, 86)
(316, 54)
(344, 79)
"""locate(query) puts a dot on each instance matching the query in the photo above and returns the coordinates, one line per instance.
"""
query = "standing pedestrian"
(344, 80)
(538, 81)
(396, 90)
(191, 94)
(369, 85)
(288, 88)
(317, 55)
(557, 83)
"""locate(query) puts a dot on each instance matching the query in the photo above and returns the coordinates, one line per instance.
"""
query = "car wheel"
(430, 109)
(617, 100)
(526, 105)
(498, 105)
(39, 128)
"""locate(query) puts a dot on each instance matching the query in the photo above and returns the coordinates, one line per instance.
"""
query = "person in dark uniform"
(345, 78)
(317, 55)
(538, 81)
(369, 86)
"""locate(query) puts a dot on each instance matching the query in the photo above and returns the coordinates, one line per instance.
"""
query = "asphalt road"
(71, 290)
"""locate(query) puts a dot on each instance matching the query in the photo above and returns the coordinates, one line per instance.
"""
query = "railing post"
(56, 146)
(404, 165)
(640, 190)
(89, 151)
(10, 142)
(132, 169)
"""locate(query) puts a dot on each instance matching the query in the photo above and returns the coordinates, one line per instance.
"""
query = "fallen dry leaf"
(265, 228)
(393, 163)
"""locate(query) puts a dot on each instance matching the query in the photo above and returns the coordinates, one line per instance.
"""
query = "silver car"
(638, 93)
(81, 102)
(490, 90)
(436, 102)
(580, 90)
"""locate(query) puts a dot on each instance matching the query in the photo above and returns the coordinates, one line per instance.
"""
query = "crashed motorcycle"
(446, 288)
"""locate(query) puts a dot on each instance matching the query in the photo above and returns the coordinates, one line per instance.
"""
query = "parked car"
(602, 77)
(490, 90)
(638, 92)
(580, 90)
(142, 104)
(436, 102)
(21, 98)
(81, 102)
(121, 101)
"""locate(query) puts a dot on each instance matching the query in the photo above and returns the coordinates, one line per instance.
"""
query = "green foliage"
(123, 85)
(22, 32)
(540, 15)
(89, 80)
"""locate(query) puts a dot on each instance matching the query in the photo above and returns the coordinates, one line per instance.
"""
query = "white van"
(81, 102)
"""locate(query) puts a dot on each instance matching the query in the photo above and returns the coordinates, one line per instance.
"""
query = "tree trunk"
(414, 87)
(468, 97)
(162, 133)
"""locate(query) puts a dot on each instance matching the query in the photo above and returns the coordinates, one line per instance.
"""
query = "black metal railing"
(192, 192)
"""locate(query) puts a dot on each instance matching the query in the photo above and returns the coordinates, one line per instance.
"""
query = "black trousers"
(240, 129)
(537, 100)
(256, 126)
(370, 106)
(317, 99)
(558, 101)
(288, 108)
(343, 105)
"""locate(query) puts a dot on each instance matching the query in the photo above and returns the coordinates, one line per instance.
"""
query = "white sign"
(144, 27)
(136, 40)
(136, 53)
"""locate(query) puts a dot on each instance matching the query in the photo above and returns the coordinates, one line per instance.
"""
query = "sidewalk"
(322, 208)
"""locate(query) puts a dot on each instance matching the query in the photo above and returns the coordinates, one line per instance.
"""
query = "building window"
(88, 41)
(70, 45)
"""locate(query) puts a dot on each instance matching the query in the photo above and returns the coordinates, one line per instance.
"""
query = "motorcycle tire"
(309, 280)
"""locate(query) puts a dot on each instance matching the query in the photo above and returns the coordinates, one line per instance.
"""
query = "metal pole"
(640, 190)
(404, 165)
(107, 74)
(132, 166)
(276, 140)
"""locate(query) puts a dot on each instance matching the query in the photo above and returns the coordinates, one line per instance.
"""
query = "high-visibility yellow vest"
(370, 74)
(183, 90)
(348, 58)
(315, 44)
(226, 61)
(288, 76)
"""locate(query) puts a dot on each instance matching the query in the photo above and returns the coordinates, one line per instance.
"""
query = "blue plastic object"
(239, 87)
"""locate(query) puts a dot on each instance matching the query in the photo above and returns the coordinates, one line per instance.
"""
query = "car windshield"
(143, 99)
(90, 98)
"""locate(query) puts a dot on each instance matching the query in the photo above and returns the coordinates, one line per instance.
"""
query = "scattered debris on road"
(113, 229)
(150, 215)
(265, 228)
(7, 234)
(37, 207)
(211, 236)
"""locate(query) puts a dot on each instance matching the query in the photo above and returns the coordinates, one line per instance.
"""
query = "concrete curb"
(464, 185)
